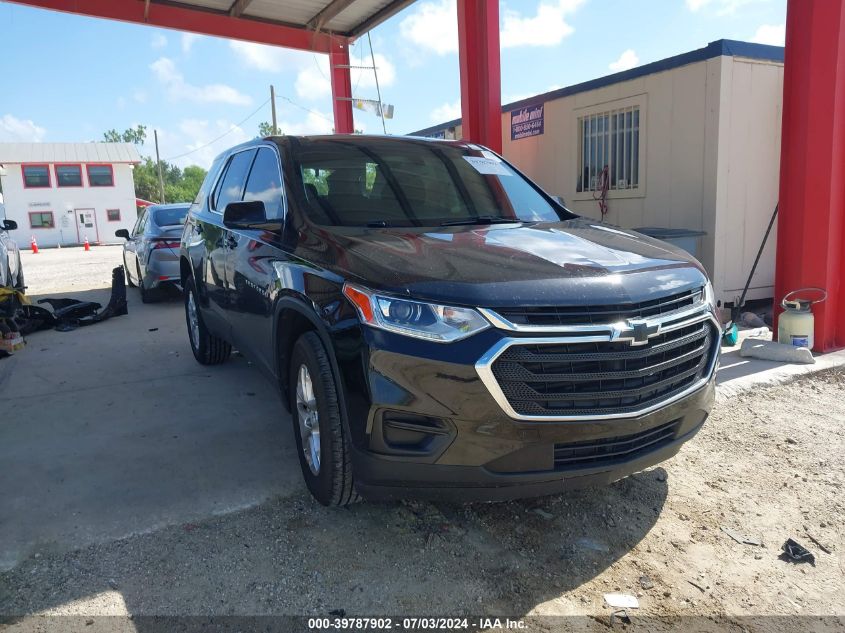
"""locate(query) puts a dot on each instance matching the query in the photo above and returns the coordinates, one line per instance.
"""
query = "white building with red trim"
(63, 193)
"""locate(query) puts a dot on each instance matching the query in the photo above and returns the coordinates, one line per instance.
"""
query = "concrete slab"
(114, 429)
(738, 374)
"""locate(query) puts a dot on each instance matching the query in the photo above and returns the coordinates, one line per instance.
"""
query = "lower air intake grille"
(613, 450)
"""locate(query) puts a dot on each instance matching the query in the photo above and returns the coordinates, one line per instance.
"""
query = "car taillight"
(166, 244)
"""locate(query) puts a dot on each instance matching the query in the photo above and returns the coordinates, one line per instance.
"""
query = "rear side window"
(265, 183)
(170, 217)
(231, 187)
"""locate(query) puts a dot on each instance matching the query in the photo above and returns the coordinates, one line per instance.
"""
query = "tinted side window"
(265, 183)
(205, 189)
(231, 187)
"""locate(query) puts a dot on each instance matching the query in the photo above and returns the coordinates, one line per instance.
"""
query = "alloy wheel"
(193, 321)
(309, 420)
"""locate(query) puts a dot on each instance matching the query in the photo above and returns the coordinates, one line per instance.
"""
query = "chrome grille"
(590, 371)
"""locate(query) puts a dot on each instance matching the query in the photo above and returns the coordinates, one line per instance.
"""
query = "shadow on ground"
(126, 488)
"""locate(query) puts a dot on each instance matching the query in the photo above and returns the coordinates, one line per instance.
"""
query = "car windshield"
(388, 182)
(170, 216)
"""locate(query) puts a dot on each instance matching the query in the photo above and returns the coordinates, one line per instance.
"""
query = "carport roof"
(344, 17)
(13, 153)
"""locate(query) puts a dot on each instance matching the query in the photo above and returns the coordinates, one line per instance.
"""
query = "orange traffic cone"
(33, 246)
(87, 245)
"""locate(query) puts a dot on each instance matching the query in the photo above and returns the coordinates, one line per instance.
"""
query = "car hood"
(576, 262)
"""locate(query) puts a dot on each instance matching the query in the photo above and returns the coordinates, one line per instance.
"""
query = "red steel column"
(481, 81)
(341, 87)
(811, 222)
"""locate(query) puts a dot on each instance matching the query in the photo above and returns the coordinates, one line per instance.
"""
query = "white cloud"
(434, 25)
(774, 34)
(626, 61)
(722, 7)
(446, 112)
(547, 28)
(158, 41)
(179, 90)
(188, 40)
(695, 5)
(140, 96)
(313, 82)
(13, 129)
(269, 58)
(315, 123)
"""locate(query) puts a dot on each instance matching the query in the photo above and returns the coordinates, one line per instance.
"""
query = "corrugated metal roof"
(68, 153)
(350, 18)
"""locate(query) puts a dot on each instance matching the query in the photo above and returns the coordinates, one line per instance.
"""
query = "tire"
(148, 295)
(19, 284)
(129, 281)
(207, 348)
(332, 484)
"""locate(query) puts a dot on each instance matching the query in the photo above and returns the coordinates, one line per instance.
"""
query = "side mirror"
(9, 225)
(124, 233)
(559, 200)
(245, 215)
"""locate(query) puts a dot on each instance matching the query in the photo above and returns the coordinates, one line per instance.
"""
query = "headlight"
(429, 321)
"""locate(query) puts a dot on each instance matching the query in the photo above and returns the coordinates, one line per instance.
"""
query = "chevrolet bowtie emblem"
(637, 331)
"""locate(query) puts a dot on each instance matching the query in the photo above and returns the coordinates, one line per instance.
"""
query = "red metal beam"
(193, 20)
(481, 82)
(811, 222)
(341, 88)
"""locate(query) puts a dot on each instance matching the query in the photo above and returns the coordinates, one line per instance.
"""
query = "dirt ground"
(767, 465)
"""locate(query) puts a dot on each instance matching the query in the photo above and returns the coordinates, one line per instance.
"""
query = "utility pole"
(158, 163)
(273, 109)
(378, 90)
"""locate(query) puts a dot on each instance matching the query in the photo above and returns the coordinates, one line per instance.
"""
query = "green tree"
(136, 135)
(265, 128)
(179, 185)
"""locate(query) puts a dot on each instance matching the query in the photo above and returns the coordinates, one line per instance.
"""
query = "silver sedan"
(151, 250)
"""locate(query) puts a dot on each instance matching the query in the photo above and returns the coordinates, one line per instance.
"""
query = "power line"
(301, 107)
(226, 133)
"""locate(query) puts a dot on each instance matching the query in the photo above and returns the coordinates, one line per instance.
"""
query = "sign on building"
(527, 122)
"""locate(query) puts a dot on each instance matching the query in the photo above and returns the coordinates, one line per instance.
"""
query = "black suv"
(441, 327)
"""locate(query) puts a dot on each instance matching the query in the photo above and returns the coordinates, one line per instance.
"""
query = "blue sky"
(69, 78)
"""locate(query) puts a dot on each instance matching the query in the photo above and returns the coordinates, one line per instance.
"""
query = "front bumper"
(477, 452)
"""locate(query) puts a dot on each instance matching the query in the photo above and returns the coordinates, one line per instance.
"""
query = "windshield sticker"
(487, 166)
(486, 153)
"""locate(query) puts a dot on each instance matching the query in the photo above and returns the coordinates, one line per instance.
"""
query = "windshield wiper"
(481, 219)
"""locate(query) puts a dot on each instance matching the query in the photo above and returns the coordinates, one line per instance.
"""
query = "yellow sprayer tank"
(796, 323)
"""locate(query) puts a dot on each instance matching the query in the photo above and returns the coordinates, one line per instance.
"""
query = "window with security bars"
(609, 150)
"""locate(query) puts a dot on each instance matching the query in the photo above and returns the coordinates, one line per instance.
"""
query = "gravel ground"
(68, 270)
(768, 465)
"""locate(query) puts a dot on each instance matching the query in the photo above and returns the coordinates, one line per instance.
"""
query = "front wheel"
(321, 441)
(207, 348)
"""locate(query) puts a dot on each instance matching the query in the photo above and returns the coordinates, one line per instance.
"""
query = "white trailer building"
(688, 142)
(63, 193)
